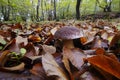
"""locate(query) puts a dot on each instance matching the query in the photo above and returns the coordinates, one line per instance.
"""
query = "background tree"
(54, 9)
(39, 10)
(77, 9)
(107, 6)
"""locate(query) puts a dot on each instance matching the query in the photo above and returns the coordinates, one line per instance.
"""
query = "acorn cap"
(68, 32)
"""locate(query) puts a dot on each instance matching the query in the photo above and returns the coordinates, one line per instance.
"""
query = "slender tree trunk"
(54, 9)
(37, 10)
(32, 11)
(6, 11)
(8, 15)
(42, 10)
(77, 9)
(119, 5)
(95, 7)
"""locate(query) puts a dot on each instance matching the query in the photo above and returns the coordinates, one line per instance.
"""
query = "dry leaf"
(39, 71)
(53, 30)
(3, 57)
(20, 39)
(100, 51)
(31, 51)
(52, 68)
(99, 43)
(89, 76)
(34, 38)
(75, 56)
(67, 66)
(49, 49)
(115, 39)
(106, 64)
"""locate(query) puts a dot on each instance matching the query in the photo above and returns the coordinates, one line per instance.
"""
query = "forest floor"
(30, 51)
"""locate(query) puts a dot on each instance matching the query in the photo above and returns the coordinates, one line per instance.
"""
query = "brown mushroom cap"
(68, 32)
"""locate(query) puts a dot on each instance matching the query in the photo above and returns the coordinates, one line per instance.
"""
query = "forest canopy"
(37, 10)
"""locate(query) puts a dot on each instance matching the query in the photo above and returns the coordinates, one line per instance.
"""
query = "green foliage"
(2, 41)
(1, 47)
(22, 51)
(21, 10)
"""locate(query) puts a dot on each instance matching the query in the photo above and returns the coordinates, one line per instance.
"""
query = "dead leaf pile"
(31, 50)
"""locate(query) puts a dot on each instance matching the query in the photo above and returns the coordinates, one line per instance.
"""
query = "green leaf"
(23, 51)
(2, 41)
(1, 47)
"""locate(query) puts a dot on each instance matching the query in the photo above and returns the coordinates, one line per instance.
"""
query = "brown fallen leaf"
(99, 51)
(20, 39)
(39, 71)
(49, 49)
(99, 43)
(106, 64)
(115, 39)
(3, 57)
(52, 68)
(89, 37)
(75, 56)
(89, 76)
(67, 66)
(30, 50)
(34, 38)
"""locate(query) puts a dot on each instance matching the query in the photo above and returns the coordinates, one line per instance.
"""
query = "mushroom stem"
(68, 43)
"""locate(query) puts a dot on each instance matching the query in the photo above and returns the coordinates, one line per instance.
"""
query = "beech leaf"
(75, 56)
(52, 68)
(106, 64)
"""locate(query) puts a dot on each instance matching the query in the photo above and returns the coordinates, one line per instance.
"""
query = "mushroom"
(67, 34)
(74, 55)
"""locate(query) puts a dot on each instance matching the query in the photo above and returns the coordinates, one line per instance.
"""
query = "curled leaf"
(19, 67)
(106, 64)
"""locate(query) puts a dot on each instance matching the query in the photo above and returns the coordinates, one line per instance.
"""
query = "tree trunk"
(119, 5)
(107, 7)
(33, 15)
(77, 9)
(42, 18)
(54, 9)
(95, 7)
(37, 10)
(6, 11)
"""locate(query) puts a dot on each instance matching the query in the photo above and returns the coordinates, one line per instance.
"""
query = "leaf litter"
(34, 51)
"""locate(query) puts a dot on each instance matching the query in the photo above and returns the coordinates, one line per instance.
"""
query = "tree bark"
(119, 5)
(6, 11)
(37, 10)
(77, 9)
(95, 7)
(42, 10)
(54, 9)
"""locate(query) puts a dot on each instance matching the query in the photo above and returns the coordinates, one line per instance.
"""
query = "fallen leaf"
(49, 49)
(75, 56)
(52, 68)
(39, 71)
(106, 64)
(33, 38)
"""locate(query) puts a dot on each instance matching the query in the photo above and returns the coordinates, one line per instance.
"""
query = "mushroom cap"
(68, 32)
